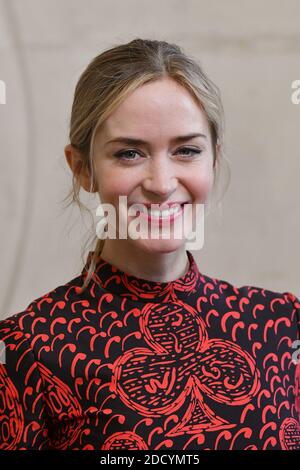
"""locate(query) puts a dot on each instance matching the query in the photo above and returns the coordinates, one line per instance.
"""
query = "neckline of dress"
(112, 279)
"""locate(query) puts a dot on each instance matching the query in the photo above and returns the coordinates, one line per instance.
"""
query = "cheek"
(111, 184)
(200, 185)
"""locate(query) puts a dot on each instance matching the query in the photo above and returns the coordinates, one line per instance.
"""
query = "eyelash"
(120, 154)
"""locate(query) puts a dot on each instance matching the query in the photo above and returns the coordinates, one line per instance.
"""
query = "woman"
(142, 350)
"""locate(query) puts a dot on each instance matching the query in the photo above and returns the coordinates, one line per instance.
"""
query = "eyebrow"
(133, 141)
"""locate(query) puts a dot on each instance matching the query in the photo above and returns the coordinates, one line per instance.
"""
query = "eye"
(124, 154)
(193, 151)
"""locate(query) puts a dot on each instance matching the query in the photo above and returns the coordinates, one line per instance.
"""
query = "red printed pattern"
(194, 363)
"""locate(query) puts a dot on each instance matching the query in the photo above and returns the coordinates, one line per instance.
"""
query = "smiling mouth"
(158, 207)
(170, 213)
(164, 214)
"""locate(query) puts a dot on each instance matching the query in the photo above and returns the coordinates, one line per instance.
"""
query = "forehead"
(162, 107)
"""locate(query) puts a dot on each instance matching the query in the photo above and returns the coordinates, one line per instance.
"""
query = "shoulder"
(43, 310)
(250, 304)
(250, 294)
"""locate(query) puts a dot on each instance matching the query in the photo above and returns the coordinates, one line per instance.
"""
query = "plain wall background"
(250, 49)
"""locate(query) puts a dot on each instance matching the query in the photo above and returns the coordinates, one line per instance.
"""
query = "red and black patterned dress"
(195, 363)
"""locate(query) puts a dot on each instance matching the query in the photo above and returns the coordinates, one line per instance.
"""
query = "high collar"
(113, 280)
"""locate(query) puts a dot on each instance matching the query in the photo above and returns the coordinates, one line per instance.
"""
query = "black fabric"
(195, 363)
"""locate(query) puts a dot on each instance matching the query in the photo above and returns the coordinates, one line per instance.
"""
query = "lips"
(169, 204)
(163, 205)
(159, 217)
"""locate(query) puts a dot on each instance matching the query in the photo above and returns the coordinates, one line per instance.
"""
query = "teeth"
(165, 213)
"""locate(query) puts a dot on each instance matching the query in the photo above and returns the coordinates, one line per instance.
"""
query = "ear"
(78, 167)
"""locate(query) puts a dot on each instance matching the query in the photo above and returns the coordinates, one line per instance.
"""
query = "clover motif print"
(181, 362)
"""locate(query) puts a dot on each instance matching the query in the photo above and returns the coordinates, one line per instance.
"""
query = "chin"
(160, 246)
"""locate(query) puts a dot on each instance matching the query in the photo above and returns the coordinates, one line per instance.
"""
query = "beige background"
(251, 49)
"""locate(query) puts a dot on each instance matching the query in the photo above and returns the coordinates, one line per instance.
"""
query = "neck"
(151, 265)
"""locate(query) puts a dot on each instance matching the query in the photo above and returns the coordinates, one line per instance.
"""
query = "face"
(163, 169)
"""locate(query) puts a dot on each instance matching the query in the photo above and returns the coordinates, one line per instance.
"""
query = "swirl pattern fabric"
(191, 364)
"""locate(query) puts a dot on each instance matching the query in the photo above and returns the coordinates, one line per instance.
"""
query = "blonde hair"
(106, 82)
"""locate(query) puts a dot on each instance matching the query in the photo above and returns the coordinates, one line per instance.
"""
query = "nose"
(161, 179)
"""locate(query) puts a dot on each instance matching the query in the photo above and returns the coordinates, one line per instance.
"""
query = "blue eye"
(120, 155)
(124, 154)
(193, 150)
